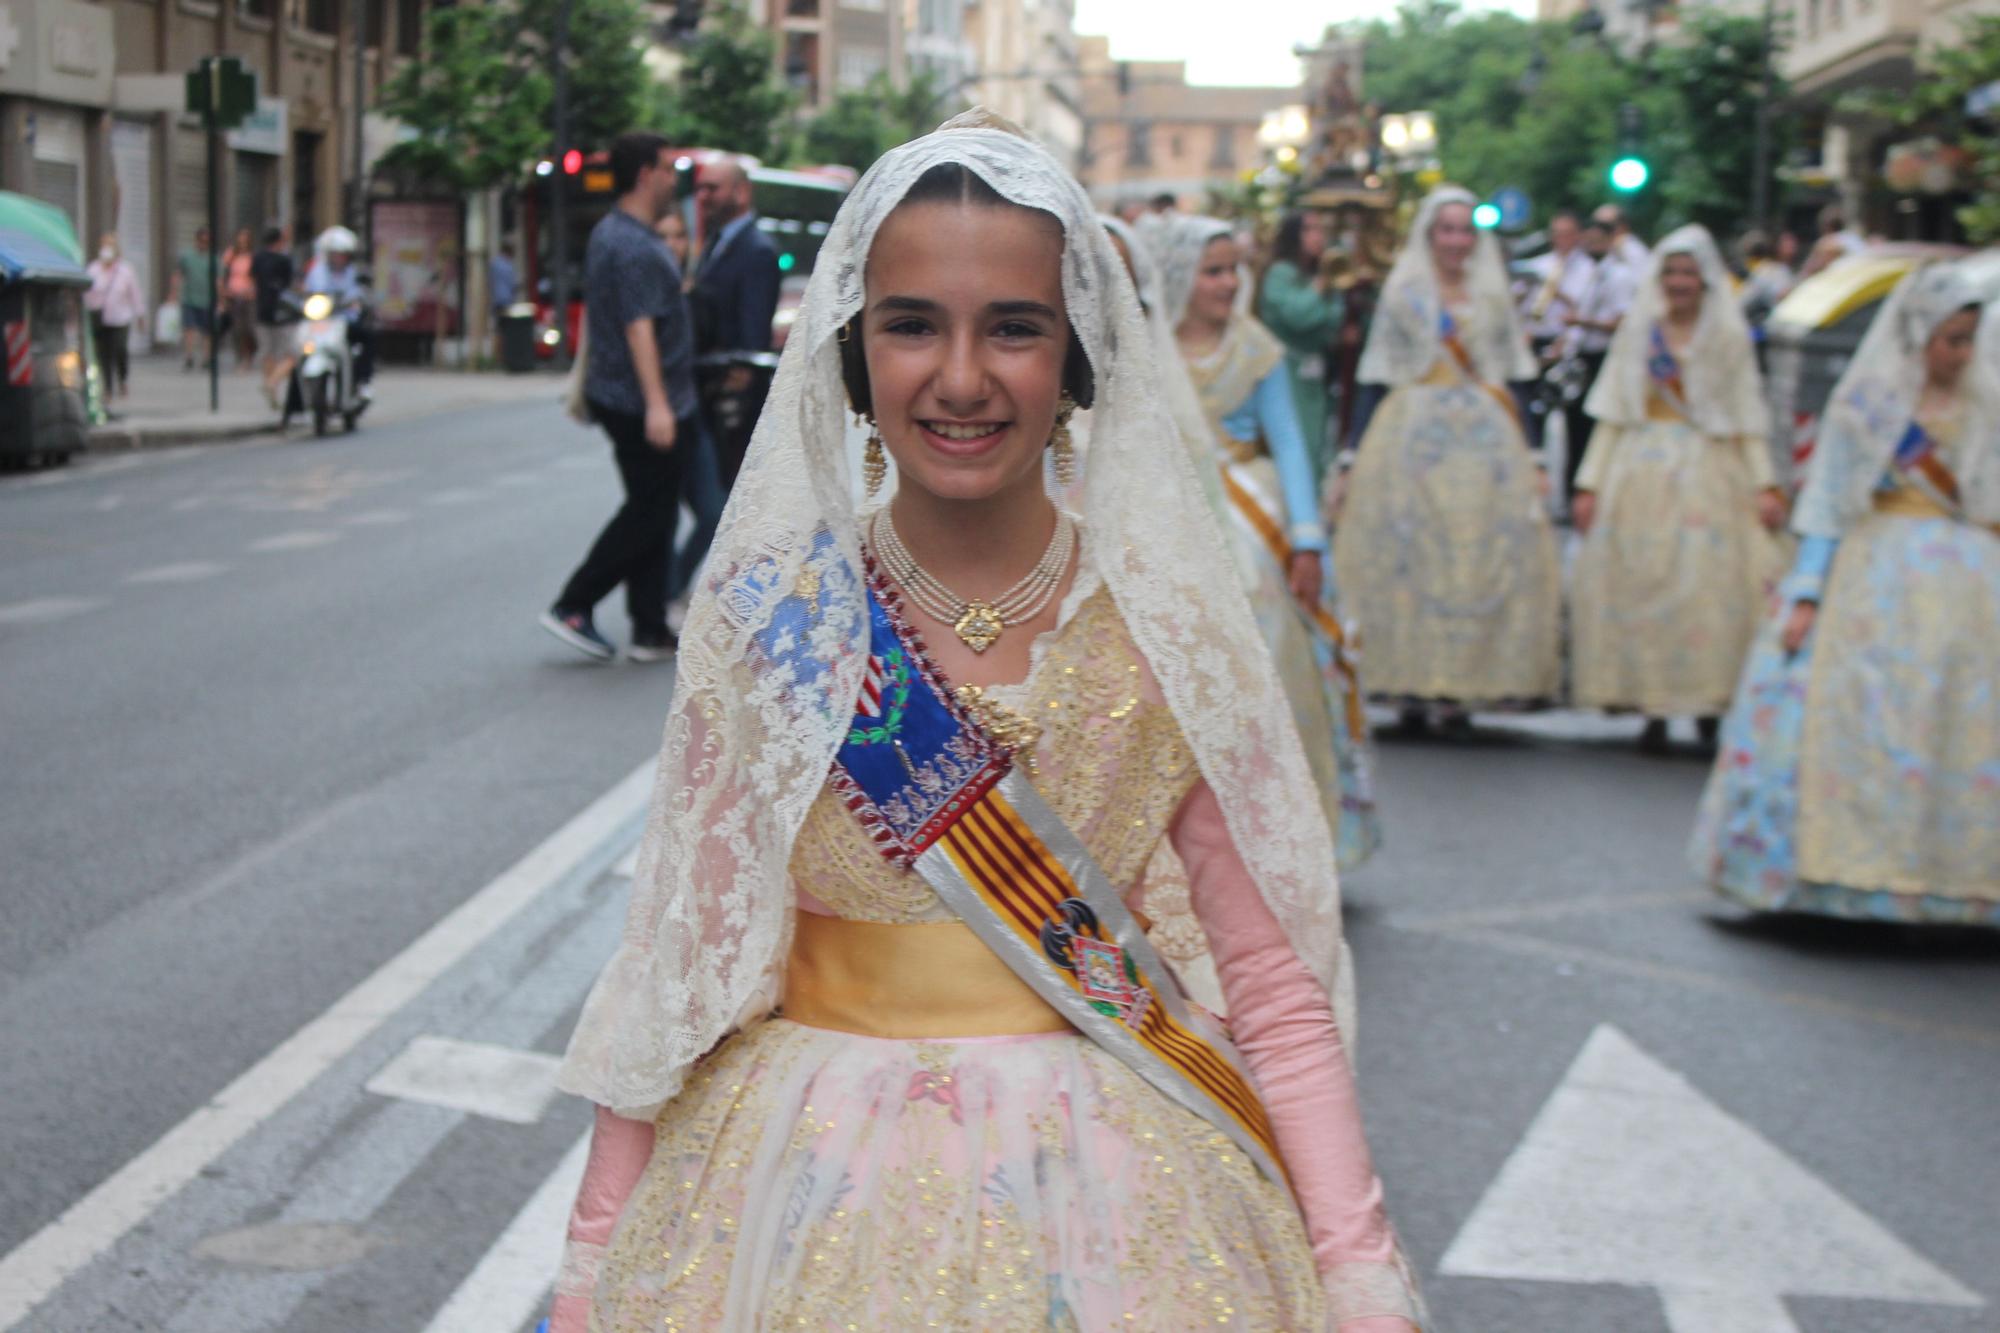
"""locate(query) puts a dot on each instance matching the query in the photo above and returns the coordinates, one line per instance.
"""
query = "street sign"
(1514, 205)
(1629, 1176)
(221, 92)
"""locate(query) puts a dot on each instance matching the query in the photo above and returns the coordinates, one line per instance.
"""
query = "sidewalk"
(169, 405)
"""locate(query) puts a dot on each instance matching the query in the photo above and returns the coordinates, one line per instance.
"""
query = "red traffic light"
(572, 162)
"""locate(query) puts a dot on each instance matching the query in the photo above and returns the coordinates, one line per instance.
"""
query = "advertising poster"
(417, 266)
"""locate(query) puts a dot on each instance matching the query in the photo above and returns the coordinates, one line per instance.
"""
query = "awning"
(37, 243)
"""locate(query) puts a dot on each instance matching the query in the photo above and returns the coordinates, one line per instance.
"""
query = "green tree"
(729, 94)
(859, 126)
(1535, 105)
(480, 101)
(477, 115)
(1937, 105)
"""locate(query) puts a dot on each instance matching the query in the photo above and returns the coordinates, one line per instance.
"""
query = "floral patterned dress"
(841, 1173)
(1861, 777)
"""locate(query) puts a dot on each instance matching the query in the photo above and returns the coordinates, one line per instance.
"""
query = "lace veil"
(1404, 341)
(1719, 371)
(761, 701)
(1872, 405)
(1182, 402)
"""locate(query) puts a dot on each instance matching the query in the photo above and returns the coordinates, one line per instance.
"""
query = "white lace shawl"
(1404, 342)
(1182, 402)
(1872, 406)
(1725, 394)
(776, 639)
(1177, 242)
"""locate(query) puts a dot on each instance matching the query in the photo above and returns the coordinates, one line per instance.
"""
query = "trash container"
(45, 361)
(517, 338)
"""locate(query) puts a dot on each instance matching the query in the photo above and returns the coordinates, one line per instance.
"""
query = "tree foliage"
(729, 94)
(1938, 105)
(1535, 105)
(480, 100)
(859, 126)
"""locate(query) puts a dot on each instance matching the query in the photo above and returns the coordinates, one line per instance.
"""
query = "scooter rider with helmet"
(333, 272)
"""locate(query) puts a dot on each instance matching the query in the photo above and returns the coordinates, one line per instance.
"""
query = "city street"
(313, 841)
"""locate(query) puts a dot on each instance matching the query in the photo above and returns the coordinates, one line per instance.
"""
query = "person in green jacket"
(1298, 304)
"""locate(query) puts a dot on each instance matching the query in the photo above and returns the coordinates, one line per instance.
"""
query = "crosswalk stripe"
(41, 1264)
(513, 1278)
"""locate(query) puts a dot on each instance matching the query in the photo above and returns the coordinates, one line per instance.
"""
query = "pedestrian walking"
(639, 385)
(115, 304)
(1678, 502)
(937, 1088)
(1766, 280)
(733, 297)
(1606, 297)
(239, 291)
(1297, 302)
(272, 273)
(1245, 389)
(1856, 774)
(1443, 537)
(195, 270)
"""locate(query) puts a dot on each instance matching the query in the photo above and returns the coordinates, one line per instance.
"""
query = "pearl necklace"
(977, 621)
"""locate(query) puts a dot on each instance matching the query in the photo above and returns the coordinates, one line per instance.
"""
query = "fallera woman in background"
(1859, 771)
(883, 1045)
(1238, 371)
(1443, 537)
(1678, 502)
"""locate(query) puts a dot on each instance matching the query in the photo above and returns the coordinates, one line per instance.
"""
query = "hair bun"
(979, 118)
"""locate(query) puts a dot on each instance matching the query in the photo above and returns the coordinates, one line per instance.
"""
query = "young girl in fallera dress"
(1678, 501)
(1443, 539)
(884, 1045)
(1859, 770)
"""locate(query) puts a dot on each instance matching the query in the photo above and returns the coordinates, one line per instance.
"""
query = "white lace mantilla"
(776, 641)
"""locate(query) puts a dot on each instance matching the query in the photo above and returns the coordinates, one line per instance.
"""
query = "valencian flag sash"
(1663, 368)
(1462, 356)
(1918, 460)
(942, 797)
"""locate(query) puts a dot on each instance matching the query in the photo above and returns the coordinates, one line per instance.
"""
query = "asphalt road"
(311, 843)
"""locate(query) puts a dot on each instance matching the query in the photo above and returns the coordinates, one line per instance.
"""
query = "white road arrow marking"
(1630, 1176)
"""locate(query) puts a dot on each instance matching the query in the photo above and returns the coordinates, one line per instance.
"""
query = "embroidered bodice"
(1110, 759)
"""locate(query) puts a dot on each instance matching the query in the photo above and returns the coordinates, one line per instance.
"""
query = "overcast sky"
(1239, 41)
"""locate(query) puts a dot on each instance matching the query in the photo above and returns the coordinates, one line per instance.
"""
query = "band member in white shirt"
(1606, 297)
(1557, 280)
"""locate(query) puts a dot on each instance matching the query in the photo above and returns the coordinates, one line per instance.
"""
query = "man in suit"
(734, 296)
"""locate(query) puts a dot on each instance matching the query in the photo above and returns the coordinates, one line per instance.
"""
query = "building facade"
(826, 47)
(92, 114)
(1147, 131)
(1029, 69)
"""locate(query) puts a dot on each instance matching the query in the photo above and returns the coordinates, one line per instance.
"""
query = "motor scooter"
(323, 379)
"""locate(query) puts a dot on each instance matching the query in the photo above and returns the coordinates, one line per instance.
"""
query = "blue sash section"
(1916, 442)
(1662, 365)
(912, 762)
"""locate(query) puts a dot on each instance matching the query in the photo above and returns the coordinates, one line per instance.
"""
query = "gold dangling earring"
(874, 464)
(1060, 445)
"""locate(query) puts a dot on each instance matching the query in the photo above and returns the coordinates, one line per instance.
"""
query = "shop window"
(409, 26)
(1224, 153)
(256, 9)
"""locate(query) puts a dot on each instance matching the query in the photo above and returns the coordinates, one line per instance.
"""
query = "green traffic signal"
(1486, 216)
(1629, 174)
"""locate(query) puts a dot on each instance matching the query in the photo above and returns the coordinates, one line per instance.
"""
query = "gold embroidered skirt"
(813, 1179)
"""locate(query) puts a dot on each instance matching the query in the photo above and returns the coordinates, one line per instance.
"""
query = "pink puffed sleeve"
(1283, 1024)
(619, 1152)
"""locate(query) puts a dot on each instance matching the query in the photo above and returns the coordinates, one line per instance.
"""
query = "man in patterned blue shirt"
(638, 380)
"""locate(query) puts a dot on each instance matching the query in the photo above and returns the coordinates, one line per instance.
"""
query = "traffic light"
(1486, 216)
(1630, 170)
(572, 162)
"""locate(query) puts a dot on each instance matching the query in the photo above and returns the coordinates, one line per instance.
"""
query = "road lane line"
(41, 610)
(41, 1264)
(187, 571)
(514, 1277)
